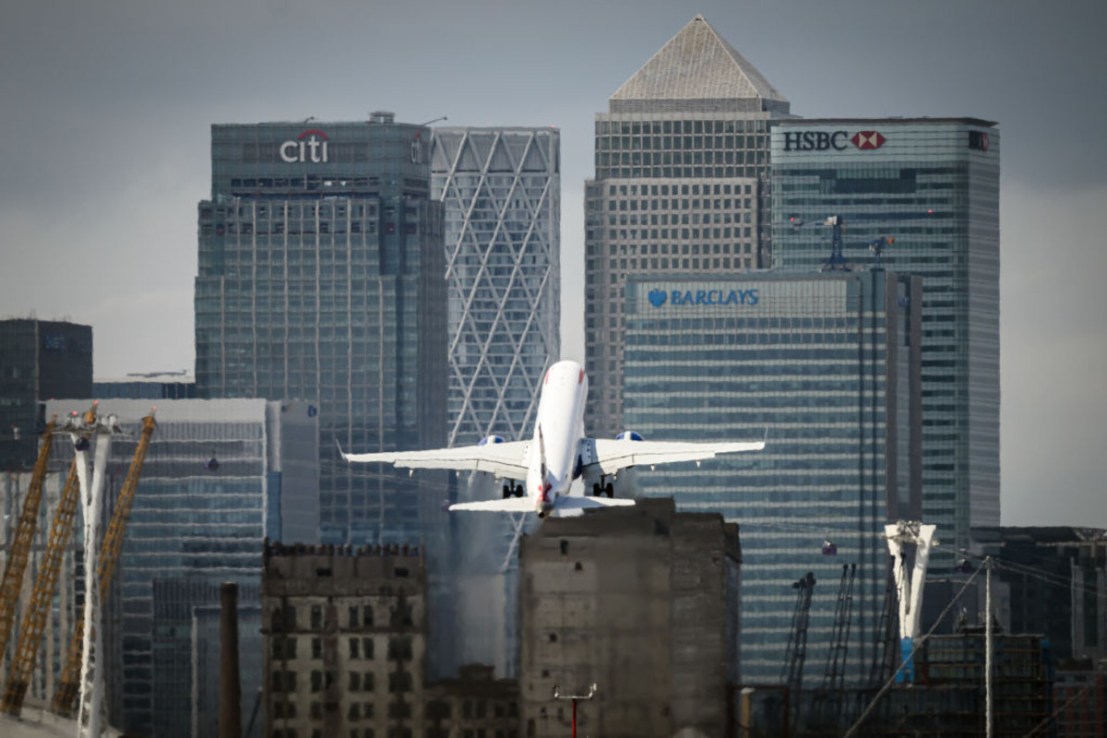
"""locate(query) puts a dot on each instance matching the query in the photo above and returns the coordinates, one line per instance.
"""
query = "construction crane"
(20, 550)
(831, 698)
(796, 652)
(834, 676)
(836, 262)
(34, 618)
(65, 695)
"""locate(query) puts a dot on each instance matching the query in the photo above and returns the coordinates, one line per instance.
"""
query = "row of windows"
(724, 160)
(678, 143)
(684, 234)
(308, 209)
(400, 615)
(636, 171)
(634, 127)
(717, 204)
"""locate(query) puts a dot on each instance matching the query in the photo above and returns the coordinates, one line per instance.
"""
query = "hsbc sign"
(832, 140)
(309, 146)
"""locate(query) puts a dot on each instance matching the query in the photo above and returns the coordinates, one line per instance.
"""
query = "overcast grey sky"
(106, 107)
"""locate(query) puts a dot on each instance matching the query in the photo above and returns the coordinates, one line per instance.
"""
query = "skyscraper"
(39, 359)
(681, 184)
(501, 190)
(320, 279)
(933, 185)
(825, 368)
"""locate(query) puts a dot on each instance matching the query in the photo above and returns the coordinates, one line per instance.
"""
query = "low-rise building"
(643, 603)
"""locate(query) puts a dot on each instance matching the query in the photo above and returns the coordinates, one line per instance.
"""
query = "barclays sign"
(677, 298)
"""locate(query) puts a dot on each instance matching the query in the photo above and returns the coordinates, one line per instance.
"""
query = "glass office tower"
(320, 279)
(681, 184)
(39, 359)
(501, 191)
(933, 185)
(825, 368)
(219, 477)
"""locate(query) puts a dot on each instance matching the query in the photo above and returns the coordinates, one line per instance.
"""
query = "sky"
(106, 108)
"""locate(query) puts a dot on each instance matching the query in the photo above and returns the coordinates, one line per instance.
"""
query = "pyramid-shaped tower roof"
(698, 64)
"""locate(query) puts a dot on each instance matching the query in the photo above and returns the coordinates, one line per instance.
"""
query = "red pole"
(574, 718)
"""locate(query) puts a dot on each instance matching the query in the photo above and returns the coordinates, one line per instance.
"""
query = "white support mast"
(83, 428)
(909, 591)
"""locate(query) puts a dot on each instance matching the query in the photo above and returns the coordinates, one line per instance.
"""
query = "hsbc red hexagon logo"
(868, 140)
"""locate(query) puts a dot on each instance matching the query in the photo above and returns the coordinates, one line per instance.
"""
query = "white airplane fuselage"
(553, 454)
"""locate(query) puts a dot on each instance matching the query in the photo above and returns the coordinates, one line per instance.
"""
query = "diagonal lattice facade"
(501, 188)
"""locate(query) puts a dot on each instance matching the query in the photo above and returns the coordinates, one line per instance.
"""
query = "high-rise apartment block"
(219, 476)
(932, 184)
(824, 367)
(321, 279)
(39, 360)
(640, 601)
(681, 185)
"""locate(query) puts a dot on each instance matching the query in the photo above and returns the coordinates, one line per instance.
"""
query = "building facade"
(501, 191)
(344, 634)
(933, 185)
(825, 368)
(219, 476)
(1056, 578)
(146, 386)
(320, 279)
(39, 359)
(643, 603)
(681, 184)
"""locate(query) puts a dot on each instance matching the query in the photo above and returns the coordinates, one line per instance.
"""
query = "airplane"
(558, 453)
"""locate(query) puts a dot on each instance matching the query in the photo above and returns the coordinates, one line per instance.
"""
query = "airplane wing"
(511, 504)
(505, 460)
(608, 456)
(565, 506)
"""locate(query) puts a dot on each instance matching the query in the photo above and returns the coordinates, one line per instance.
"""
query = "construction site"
(77, 692)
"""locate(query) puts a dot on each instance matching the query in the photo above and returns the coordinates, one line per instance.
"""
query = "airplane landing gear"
(511, 489)
(601, 488)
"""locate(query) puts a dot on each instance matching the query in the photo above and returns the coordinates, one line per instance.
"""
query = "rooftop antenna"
(836, 262)
(878, 246)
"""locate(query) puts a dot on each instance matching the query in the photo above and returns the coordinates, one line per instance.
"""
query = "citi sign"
(659, 298)
(837, 140)
(308, 146)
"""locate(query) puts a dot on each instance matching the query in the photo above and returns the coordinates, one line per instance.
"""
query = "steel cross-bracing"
(500, 189)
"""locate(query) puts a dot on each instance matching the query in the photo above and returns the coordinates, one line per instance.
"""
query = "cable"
(918, 644)
(1059, 710)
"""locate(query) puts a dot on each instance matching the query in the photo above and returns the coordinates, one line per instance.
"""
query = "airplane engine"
(489, 440)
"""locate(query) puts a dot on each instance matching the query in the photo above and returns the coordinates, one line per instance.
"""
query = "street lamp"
(574, 698)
